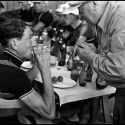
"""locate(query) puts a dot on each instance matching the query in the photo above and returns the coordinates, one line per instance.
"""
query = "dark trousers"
(119, 107)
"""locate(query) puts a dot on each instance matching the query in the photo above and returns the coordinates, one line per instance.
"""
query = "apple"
(60, 78)
(54, 80)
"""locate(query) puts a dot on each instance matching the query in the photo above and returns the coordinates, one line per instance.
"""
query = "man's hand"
(66, 34)
(85, 52)
(42, 58)
(92, 46)
(80, 40)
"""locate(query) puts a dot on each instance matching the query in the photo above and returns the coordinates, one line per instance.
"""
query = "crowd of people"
(94, 29)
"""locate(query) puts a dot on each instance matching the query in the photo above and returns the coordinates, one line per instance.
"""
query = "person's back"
(43, 16)
(26, 11)
(114, 20)
(27, 15)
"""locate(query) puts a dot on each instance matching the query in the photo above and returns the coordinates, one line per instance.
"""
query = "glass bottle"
(40, 39)
(82, 76)
(100, 83)
(45, 36)
(75, 62)
(46, 39)
(63, 55)
(74, 75)
(89, 73)
(70, 63)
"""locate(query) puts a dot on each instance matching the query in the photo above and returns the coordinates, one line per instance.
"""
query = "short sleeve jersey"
(27, 15)
(46, 18)
(13, 80)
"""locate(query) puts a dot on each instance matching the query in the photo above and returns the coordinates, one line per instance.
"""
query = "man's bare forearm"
(38, 26)
(48, 94)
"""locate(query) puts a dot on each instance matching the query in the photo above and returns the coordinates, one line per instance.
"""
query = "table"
(78, 93)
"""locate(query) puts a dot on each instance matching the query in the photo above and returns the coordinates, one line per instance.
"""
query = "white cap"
(60, 8)
(76, 3)
(71, 10)
(31, 3)
(40, 2)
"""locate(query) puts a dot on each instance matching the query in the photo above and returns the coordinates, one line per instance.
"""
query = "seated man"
(26, 12)
(63, 32)
(81, 29)
(59, 23)
(16, 40)
(43, 16)
(32, 73)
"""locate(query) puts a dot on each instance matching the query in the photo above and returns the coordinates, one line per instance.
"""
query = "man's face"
(59, 17)
(69, 18)
(88, 13)
(25, 45)
(39, 6)
(23, 4)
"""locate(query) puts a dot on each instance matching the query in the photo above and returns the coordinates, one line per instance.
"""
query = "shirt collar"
(14, 58)
(102, 23)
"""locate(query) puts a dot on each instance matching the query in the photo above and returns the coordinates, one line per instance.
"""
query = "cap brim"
(58, 11)
(71, 10)
(76, 3)
(65, 12)
(76, 12)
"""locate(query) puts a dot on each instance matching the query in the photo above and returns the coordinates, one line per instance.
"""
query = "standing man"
(109, 17)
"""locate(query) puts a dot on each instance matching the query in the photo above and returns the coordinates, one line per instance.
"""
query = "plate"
(67, 83)
(60, 71)
(27, 65)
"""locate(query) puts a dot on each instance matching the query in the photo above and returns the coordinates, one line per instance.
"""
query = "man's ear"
(14, 44)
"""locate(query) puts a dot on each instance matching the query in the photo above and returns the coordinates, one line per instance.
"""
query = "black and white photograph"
(62, 62)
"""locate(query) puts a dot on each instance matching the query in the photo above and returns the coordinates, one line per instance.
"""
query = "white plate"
(67, 83)
(27, 65)
(60, 71)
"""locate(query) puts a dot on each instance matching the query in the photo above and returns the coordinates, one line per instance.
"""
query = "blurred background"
(13, 5)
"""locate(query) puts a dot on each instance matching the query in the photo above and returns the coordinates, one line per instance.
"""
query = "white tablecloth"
(79, 93)
(76, 93)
